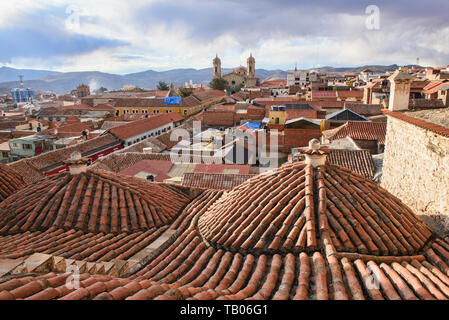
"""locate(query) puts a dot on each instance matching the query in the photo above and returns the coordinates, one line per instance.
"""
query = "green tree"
(239, 87)
(218, 84)
(185, 92)
(163, 86)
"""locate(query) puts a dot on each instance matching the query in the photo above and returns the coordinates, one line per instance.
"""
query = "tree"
(163, 86)
(218, 84)
(239, 87)
(185, 92)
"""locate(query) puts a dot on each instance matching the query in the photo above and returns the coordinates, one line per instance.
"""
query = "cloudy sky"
(131, 36)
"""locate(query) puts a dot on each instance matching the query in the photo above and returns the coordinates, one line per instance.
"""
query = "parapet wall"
(416, 170)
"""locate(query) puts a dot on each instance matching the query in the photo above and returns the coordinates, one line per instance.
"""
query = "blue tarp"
(172, 100)
(252, 125)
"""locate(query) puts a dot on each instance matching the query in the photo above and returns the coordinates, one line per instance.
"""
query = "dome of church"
(240, 70)
(10, 181)
(313, 206)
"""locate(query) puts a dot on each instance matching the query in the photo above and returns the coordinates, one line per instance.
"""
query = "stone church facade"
(239, 77)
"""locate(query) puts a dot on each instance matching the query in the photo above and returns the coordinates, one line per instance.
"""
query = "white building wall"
(147, 134)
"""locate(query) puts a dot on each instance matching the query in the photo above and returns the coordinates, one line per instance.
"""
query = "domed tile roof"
(91, 201)
(297, 207)
(305, 231)
(240, 70)
(10, 181)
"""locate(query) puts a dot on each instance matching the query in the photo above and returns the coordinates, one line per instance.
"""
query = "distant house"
(52, 162)
(215, 181)
(367, 135)
(31, 145)
(358, 161)
(136, 131)
(5, 152)
(337, 118)
(185, 107)
(366, 110)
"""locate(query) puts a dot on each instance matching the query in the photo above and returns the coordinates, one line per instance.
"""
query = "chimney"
(77, 164)
(400, 82)
(315, 155)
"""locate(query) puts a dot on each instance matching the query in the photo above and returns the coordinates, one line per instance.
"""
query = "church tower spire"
(216, 64)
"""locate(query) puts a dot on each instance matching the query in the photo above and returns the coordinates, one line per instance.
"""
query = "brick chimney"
(315, 155)
(400, 82)
(77, 164)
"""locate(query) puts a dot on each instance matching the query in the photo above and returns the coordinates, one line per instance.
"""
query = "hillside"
(65, 82)
(11, 74)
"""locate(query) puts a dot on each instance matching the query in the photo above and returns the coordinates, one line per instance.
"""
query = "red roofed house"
(158, 169)
(136, 131)
(316, 95)
(222, 168)
(367, 135)
(352, 95)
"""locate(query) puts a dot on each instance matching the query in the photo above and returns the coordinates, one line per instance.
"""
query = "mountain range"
(63, 82)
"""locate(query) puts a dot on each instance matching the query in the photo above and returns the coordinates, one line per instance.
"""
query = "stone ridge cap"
(426, 125)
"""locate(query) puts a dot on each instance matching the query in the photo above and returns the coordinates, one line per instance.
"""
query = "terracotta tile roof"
(76, 107)
(208, 94)
(139, 102)
(159, 168)
(135, 128)
(221, 275)
(77, 245)
(33, 169)
(364, 109)
(280, 83)
(297, 232)
(350, 94)
(416, 104)
(434, 86)
(95, 201)
(358, 131)
(254, 216)
(70, 130)
(237, 97)
(358, 161)
(214, 181)
(190, 101)
(10, 181)
(316, 93)
(112, 124)
(222, 168)
(222, 107)
(435, 128)
(327, 104)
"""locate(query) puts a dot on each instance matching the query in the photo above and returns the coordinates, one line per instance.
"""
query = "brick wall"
(416, 170)
(299, 137)
(217, 118)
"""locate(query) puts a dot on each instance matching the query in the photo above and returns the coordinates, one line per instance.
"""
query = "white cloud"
(277, 39)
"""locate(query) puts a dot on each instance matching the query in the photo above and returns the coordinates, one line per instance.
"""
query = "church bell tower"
(251, 66)
(216, 67)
